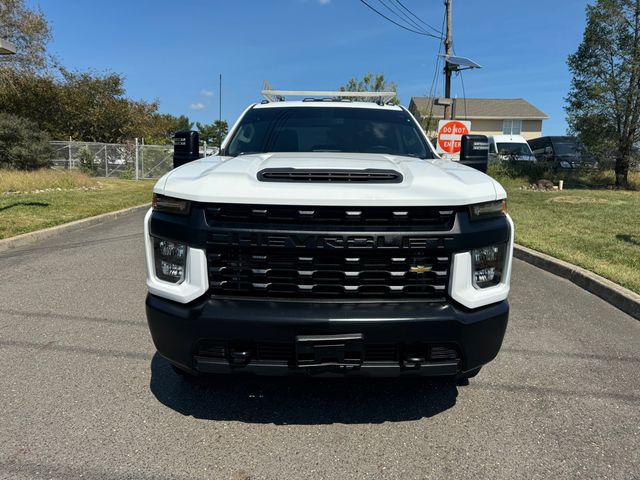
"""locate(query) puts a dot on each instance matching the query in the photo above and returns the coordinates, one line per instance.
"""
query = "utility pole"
(448, 45)
(220, 99)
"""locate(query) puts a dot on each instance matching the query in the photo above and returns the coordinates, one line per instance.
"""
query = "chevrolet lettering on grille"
(304, 241)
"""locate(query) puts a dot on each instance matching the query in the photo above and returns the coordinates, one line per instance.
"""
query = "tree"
(371, 83)
(213, 134)
(29, 31)
(604, 100)
(86, 106)
(22, 144)
(182, 124)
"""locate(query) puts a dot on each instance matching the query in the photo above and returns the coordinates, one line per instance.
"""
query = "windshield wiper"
(245, 153)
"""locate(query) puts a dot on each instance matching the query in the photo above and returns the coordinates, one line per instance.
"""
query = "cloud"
(196, 106)
(324, 2)
(206, 93)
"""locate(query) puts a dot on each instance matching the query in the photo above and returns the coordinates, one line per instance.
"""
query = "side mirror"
(474, 151)
(186, 147)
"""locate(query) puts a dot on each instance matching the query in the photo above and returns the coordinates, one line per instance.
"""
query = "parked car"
(511, 148)
(327, 238)
(562, 152)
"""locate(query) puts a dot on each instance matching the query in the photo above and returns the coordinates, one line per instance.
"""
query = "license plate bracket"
(329, 350)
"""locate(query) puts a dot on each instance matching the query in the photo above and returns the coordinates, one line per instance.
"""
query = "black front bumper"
(216, 335)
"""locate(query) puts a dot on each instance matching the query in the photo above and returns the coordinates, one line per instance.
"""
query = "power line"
(439, 32)
(398, 24)
(464, 95)
(434, 81)
(403, 16)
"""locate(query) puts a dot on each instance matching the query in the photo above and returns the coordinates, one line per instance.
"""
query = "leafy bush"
(23, 145)
(127, 172)
(87, 162)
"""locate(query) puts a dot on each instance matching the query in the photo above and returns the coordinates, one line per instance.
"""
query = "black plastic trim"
(325, 175)
(177, 329)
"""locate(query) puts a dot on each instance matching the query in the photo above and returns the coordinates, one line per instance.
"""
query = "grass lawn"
(597, 229)
(77, 198)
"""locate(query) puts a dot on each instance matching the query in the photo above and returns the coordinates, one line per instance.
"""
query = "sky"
(174, 51)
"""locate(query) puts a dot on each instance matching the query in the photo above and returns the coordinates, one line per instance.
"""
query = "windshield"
(518, 149)
(328, 129)
(569, 148)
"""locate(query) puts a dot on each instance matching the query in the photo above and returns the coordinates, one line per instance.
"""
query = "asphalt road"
(82, 393)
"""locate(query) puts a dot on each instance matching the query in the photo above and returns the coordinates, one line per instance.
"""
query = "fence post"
(106, 162)
(69, 153)
(136, 158)
(142, 159)
(205, 149)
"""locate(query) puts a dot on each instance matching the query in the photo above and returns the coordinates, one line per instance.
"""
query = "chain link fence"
(132, 161)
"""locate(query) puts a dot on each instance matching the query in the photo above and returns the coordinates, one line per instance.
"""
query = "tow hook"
(240, 357)
(413, 362)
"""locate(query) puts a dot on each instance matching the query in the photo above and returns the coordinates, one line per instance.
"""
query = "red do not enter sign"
(450, 134)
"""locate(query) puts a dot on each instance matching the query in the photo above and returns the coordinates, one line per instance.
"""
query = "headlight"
(170, 205)
(564, 164)
(488, 210)
(488, 265)
(169, 259)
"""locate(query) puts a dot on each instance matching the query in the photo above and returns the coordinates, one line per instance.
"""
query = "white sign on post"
(449, 136)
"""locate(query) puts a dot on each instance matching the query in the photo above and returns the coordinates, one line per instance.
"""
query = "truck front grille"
(324, 252)
(258, 272)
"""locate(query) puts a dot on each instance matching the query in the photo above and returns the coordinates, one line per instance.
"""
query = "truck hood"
(234, 180)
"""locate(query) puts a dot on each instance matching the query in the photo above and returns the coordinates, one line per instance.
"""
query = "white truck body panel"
(234, 180)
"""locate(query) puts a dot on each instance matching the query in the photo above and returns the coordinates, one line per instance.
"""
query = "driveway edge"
(618, 296)
(27, 238)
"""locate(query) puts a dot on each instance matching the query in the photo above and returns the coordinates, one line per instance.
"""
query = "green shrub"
(23, 145)
(87, 162)
(127, 172)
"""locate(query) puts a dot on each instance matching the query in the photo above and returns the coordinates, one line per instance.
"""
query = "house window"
(511, 127)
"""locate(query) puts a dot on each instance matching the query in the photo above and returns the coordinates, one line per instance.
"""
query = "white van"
(513, 148)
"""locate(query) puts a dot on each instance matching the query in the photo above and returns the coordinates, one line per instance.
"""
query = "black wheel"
(463, 378)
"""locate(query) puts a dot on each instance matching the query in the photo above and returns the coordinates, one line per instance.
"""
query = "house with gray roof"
(488, 116)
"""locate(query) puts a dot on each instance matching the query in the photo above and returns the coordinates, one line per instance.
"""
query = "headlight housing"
(481, 211)
(170, 204)
(487, 265)
(170, 259)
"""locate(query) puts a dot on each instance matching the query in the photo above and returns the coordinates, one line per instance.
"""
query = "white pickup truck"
(327, 238)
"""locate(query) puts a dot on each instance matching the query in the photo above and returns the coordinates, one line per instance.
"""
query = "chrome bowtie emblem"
(420, 269)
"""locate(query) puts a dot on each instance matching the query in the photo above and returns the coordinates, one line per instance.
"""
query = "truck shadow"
(300, 401)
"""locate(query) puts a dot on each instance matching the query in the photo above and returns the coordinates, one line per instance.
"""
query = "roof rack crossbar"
(279, 95)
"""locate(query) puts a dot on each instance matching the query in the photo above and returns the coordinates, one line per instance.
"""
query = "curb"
(27, 238)
(616, 295)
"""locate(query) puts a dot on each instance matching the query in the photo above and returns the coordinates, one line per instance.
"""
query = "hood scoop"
(323, 175)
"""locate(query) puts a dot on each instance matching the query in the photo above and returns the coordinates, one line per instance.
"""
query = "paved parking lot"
(83, 394)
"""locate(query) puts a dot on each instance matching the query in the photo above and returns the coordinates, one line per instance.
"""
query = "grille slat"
(431, 218)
